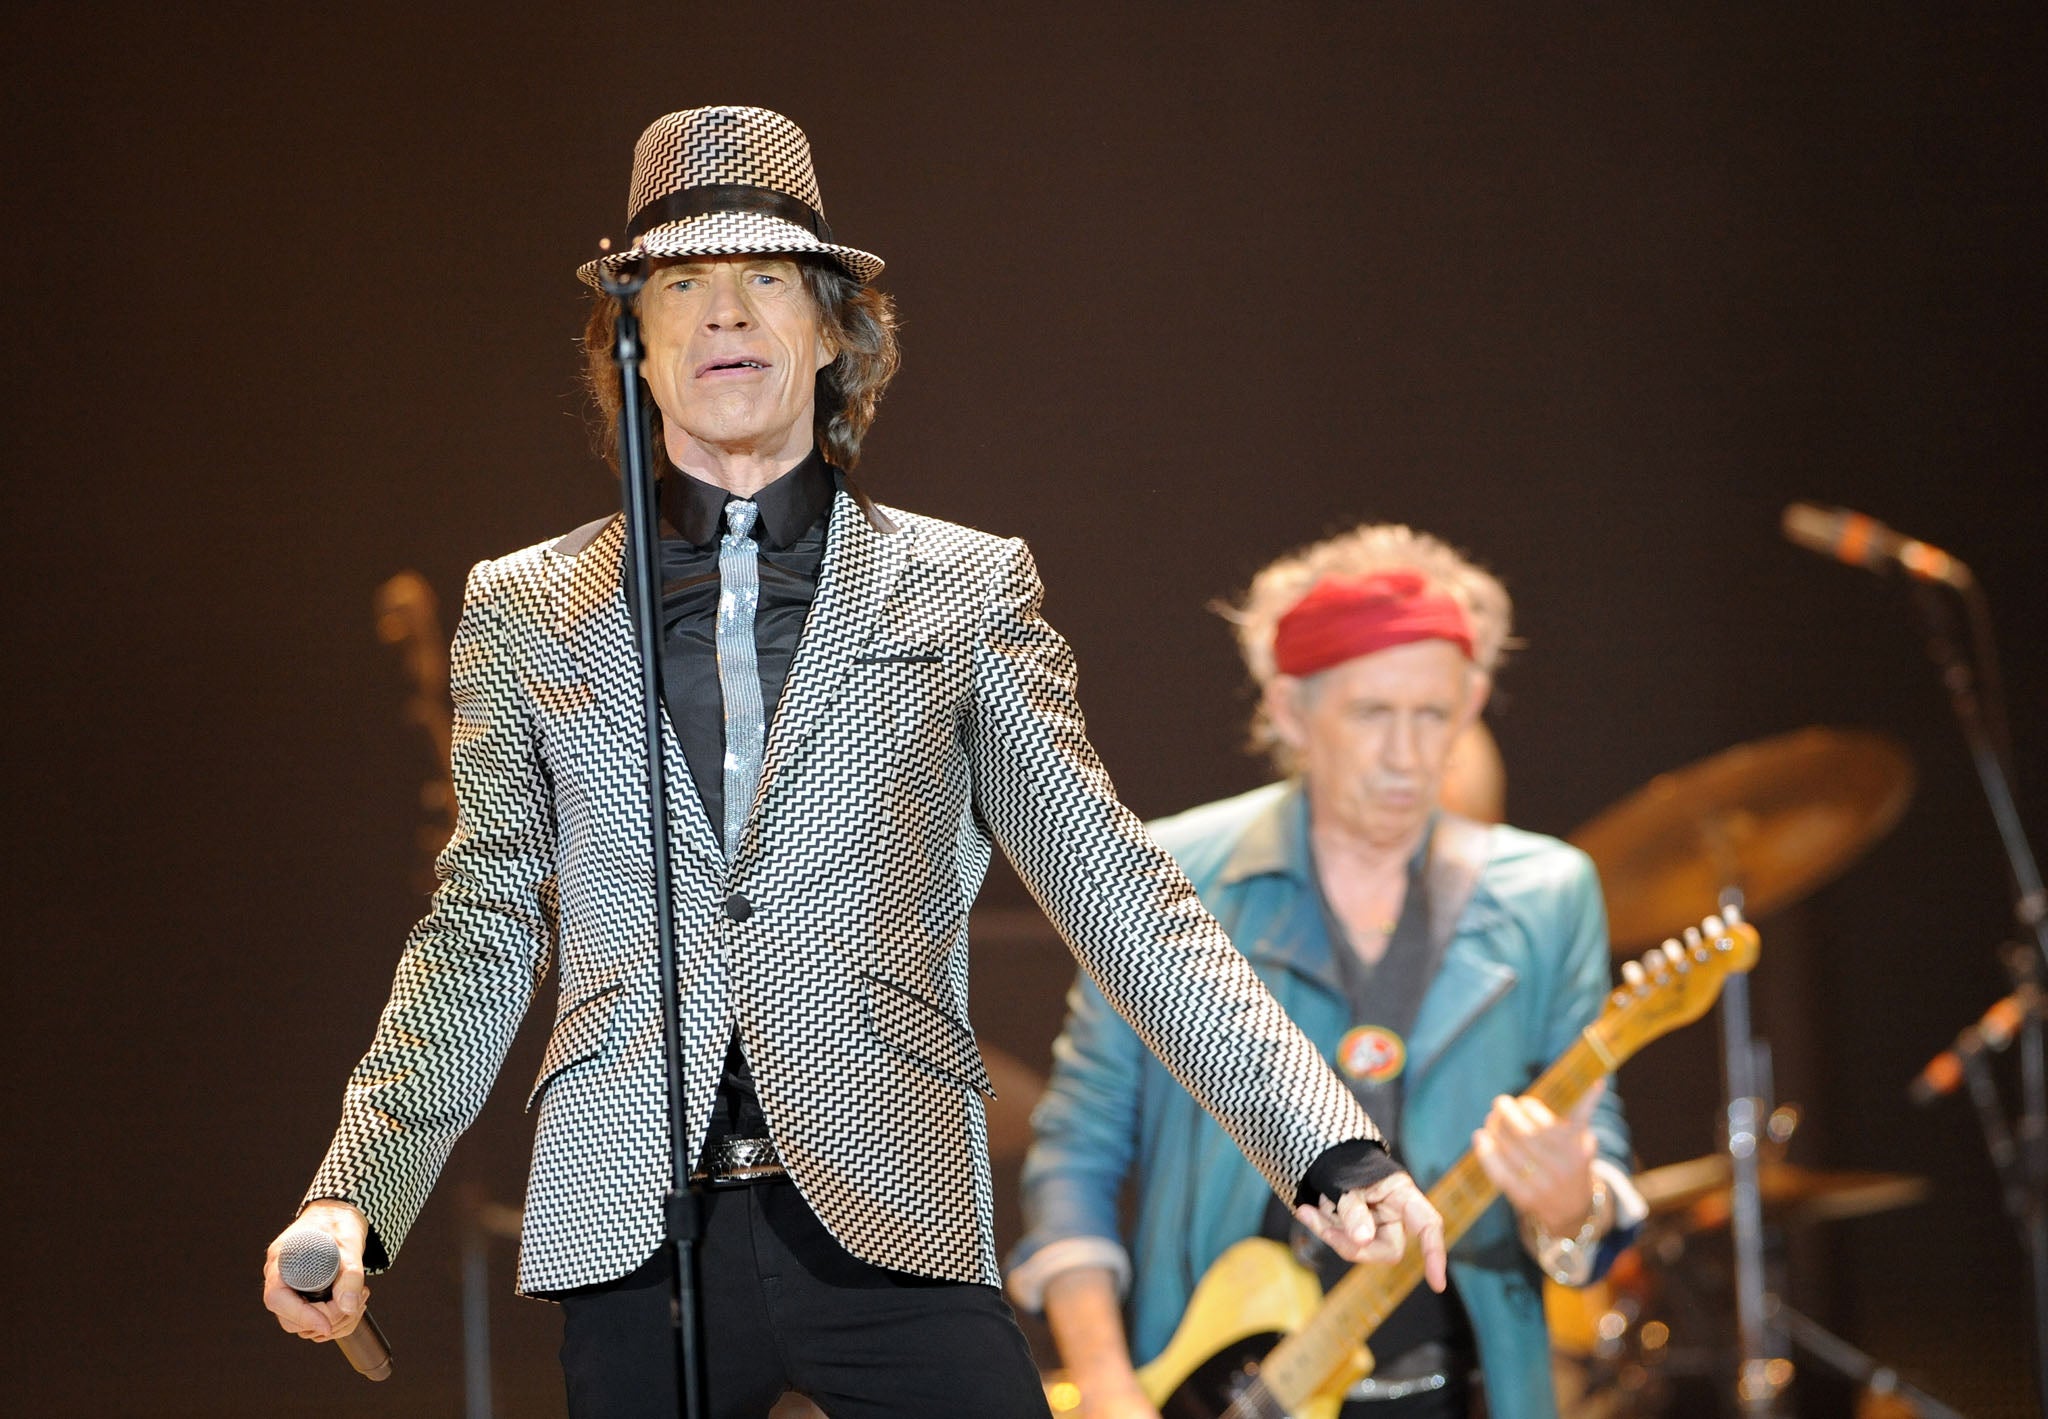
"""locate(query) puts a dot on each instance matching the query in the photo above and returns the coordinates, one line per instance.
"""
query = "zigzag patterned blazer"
(929, 714)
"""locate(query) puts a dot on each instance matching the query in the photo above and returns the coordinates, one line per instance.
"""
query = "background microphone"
(1862, 541)
(308, 1261)
(1993, 1031)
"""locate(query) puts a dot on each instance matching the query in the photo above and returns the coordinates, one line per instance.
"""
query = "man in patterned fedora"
(863, 703)
(1437, 962)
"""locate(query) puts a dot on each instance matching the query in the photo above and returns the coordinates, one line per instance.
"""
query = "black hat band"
(727, 197)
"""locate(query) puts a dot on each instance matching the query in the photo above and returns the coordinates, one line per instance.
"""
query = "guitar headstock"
(1674, 984)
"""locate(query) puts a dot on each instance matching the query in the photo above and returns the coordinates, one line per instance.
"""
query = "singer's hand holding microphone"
(313, 1284)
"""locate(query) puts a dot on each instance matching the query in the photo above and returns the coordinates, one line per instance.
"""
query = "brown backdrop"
(1591, 292)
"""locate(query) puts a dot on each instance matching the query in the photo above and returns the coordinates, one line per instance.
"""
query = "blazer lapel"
(1459, 849)
(1290, 932)
(864, 555)
(591, 620)
(1467, 985)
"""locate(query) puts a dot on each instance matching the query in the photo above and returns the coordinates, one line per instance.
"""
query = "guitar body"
(1254, 1294)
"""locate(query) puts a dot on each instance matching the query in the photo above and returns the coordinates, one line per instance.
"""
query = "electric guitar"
(1260, 1339)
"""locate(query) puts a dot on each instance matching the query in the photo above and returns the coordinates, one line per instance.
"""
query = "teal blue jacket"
(1524, 972)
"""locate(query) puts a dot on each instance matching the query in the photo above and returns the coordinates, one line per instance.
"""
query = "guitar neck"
(1299, 1366)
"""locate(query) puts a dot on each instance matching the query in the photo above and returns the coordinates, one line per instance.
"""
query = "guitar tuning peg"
(1692, 936)
(1731, 913)
(1675, 954)
(1633, 973)
(1712, 926)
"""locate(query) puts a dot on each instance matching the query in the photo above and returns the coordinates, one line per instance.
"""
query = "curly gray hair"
(1373, 547)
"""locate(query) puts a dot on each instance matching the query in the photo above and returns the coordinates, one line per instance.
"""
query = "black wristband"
(1345, 1167)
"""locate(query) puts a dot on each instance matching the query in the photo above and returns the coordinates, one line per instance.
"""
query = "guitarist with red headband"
(1439, 963)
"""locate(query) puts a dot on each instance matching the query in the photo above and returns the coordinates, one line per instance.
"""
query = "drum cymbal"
(1700, 1188)
(1776, 818)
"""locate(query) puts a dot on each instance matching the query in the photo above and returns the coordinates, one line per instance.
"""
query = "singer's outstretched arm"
(469, 968)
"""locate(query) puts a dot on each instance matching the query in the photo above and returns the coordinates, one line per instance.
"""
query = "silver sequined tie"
(739, 676)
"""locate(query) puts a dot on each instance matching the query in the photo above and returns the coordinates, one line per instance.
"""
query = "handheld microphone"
(1862, 541)
(1993, 1031)
(308, 1261)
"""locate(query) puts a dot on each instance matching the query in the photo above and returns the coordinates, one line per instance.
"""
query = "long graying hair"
(1374, 547)
(859, 321)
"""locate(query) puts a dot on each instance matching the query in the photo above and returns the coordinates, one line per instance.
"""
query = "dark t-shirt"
(1385, 997)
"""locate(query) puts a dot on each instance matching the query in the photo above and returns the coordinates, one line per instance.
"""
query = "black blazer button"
(738, 908)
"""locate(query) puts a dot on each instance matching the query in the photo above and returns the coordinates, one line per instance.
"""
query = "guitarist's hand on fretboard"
(1542, 1164)
(1373, 1224)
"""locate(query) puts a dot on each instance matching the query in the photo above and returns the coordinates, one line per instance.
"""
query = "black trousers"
(787, 1308)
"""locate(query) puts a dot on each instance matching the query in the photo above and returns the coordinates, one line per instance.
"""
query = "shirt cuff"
(1630, 1210)
(1345, 1167)
(375, 1258)
(1571, 1265)
(1026, 1284)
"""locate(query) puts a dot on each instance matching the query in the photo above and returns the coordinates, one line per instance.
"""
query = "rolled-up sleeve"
(1085, 1129)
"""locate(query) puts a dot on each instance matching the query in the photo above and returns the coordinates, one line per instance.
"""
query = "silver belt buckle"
(1423, 1369)
(740, 1160)
(1370, 1388)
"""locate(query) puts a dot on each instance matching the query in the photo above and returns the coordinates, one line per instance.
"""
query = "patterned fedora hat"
(719, 181)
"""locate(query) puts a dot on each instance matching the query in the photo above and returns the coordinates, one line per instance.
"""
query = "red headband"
(1343, 618)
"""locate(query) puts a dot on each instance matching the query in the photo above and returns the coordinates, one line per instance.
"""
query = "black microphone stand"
(683, 1214)
(2030, 909)
(1998, 1143)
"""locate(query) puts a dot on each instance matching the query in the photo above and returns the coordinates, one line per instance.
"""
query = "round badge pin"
(1372, 1052)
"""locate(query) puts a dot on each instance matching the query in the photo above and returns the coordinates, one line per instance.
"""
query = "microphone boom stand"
(683, 1214)
(2030, 909)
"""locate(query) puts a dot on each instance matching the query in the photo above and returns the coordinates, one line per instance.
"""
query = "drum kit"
(1771, 821)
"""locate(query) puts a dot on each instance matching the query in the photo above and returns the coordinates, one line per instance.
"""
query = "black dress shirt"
(790, 532)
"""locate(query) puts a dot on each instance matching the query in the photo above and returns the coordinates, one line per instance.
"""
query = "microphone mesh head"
(308, 1260)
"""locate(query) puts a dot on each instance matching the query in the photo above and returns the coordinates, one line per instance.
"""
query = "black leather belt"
(735, 1162)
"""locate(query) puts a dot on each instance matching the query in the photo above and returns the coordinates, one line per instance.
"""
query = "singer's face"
(1374, 735)
(733, 349)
